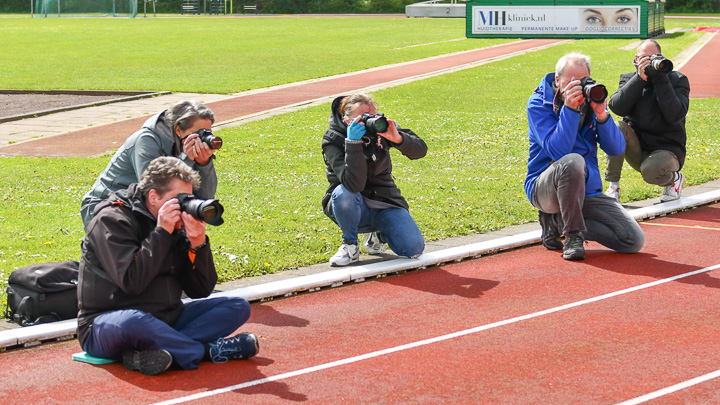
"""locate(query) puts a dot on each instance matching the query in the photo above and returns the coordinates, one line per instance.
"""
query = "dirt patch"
(19, 104)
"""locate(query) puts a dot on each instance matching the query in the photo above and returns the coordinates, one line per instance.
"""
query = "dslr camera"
(374, 123)
(209, 211)
(660, 63)
(593, 90)
(207, 137)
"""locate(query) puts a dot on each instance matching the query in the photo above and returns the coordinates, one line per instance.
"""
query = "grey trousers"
(657, 167)
(560, 190)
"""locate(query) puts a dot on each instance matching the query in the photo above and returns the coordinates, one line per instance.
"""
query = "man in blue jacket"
(563, 180)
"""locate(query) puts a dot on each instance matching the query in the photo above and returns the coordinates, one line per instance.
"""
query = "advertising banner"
(556, 20)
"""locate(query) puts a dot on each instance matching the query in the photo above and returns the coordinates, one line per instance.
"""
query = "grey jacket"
(655, 110)
(153, 140)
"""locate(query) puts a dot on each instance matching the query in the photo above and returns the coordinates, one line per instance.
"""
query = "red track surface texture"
(598, 350)
(703, 72)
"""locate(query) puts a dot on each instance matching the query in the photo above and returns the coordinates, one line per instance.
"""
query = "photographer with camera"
(143, 249)
(362, 196)
(653, 102)
(567, 119)
(183, 131)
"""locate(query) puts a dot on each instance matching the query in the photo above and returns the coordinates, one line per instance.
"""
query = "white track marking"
(437, 339)
(671, 389)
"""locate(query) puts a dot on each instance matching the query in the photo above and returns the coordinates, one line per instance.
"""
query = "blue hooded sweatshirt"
(554, 135)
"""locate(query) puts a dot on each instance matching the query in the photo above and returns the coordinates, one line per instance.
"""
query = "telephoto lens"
(593, 90)
(209, 211)
(207, 137)
(375, 123)
(659, 63)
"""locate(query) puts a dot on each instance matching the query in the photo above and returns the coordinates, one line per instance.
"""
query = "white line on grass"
(671, 389)
(437, 339)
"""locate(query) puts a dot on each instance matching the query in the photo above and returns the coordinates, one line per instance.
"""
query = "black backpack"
(45, 292)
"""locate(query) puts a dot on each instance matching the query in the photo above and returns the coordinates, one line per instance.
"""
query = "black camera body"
(209, 211)
(660, 63)
(207, 137)
(593, 90)
(374, 123)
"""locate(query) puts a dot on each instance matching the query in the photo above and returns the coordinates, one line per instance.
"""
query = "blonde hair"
(348, 103)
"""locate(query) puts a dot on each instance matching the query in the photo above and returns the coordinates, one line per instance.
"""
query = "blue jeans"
(201, 322)
(395, 225)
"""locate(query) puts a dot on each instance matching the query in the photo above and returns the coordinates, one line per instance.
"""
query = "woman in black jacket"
(362, 196)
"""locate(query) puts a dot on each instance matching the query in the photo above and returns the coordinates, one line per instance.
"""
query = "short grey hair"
(162, 171)
(185, 113)
(348, 103)
(574, 58)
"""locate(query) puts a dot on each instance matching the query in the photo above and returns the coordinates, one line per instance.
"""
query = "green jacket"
(153, 140)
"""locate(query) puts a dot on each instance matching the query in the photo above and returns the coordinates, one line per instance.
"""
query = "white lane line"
(431, 43)
(390, 350)
(671, 389)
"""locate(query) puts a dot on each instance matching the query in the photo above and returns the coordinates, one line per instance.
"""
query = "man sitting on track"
(653, 103)
(173, 132)
(140, 253)
(563, 180)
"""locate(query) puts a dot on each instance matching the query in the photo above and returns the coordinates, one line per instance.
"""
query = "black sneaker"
(239, 347)
(550, 233)
(574, 249)
(148, 362)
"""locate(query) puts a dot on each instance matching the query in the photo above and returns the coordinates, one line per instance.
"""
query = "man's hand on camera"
(573, 96)
(600, 109)
(356, 129)
(392, 133)
(642, 67)
(194, 229)
(196, 149)
(169, 215)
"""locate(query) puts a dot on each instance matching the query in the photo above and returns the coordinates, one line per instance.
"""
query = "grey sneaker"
(613, 190)
(574, 249)
(550, 234)
(672, 192)
(345, 255)
(148, 362)
(373, 244)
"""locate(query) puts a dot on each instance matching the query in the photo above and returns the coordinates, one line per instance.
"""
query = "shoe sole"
(148, 362)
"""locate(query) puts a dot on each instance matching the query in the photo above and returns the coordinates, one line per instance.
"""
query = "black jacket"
(364, 168)
(655, 109)
(130, 263)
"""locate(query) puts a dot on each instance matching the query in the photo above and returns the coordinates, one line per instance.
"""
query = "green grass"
(212, 55)
(271, 172)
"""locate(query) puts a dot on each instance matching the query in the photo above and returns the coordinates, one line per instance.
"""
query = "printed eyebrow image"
(608, 17)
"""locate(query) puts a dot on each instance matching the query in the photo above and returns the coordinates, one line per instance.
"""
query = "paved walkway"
(96, 130)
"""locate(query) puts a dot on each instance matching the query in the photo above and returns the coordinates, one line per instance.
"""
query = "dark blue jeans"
(395, 225)
(201, 321)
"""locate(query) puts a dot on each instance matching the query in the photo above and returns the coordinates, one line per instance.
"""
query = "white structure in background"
(436, 8)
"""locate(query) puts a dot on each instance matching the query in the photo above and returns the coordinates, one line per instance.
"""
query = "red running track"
(590, 348)
(702, 70)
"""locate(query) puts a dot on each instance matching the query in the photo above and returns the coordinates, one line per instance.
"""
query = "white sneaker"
(373, 245)
(672, 192)
(613, 190)
(345, 255)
